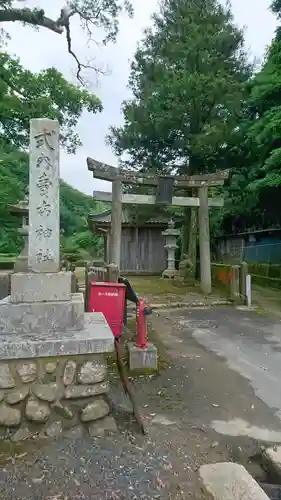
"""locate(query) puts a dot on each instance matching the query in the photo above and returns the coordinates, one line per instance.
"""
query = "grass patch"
(261, 310)
(148, 285)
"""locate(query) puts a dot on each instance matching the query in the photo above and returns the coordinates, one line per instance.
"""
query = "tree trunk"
(185, 233)
(192, 243)
(190, 225)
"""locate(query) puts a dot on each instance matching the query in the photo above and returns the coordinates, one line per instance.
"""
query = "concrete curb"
(186, 305)
(246, 308)
(230, 481)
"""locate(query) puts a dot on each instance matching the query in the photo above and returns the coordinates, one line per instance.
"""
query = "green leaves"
(265, 127)
(276, 7)
(25, 95)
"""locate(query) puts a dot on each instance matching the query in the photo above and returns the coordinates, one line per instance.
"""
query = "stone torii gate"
(165, 186)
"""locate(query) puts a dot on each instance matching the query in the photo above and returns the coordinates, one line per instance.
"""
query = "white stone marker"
(249, 290)
(44, 209)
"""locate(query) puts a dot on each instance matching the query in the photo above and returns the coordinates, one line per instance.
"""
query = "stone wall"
(44, 396)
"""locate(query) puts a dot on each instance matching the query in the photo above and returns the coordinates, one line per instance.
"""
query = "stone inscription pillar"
(44, 211)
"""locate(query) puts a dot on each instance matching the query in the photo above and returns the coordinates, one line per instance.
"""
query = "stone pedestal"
(52, 370)
(171, 235)
(142, 359)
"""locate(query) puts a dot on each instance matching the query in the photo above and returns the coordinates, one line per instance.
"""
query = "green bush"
(258, 269)
(267, 270)
(274, 271)
(71, 257)
(266, 282)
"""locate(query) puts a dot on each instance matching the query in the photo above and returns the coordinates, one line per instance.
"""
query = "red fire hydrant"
(142, 311)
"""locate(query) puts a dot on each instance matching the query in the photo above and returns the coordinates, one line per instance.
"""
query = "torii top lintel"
(106, 172)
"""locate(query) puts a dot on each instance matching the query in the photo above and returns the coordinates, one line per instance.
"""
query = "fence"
(266, 275)
(269, 253)
(236, 250)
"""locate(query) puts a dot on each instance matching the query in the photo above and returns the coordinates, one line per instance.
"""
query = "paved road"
(250, 343)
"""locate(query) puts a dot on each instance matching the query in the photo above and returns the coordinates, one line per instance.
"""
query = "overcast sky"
(38, 50)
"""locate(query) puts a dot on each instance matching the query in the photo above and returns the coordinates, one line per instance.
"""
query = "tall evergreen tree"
(188, 82)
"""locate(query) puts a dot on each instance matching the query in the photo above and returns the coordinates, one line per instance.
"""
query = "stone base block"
(140, 359)
(38, 317)
(229, 481)
(40, 287)
(171, 274)
(96, 337)
(54, 383)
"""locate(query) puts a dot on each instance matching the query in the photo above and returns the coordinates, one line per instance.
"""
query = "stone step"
(230, 481)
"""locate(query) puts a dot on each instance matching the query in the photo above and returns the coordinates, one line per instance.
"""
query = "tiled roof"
(105, 218)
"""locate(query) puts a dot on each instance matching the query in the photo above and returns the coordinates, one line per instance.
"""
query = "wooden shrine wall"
(142, 250)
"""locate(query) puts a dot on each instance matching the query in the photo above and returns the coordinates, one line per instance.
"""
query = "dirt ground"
(193, 389)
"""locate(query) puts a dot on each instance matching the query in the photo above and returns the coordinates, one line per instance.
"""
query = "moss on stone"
(157, 286)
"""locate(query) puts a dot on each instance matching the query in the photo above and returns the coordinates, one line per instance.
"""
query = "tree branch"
(37, 17)
(92, 13)
(80, 66)
(34, 17)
